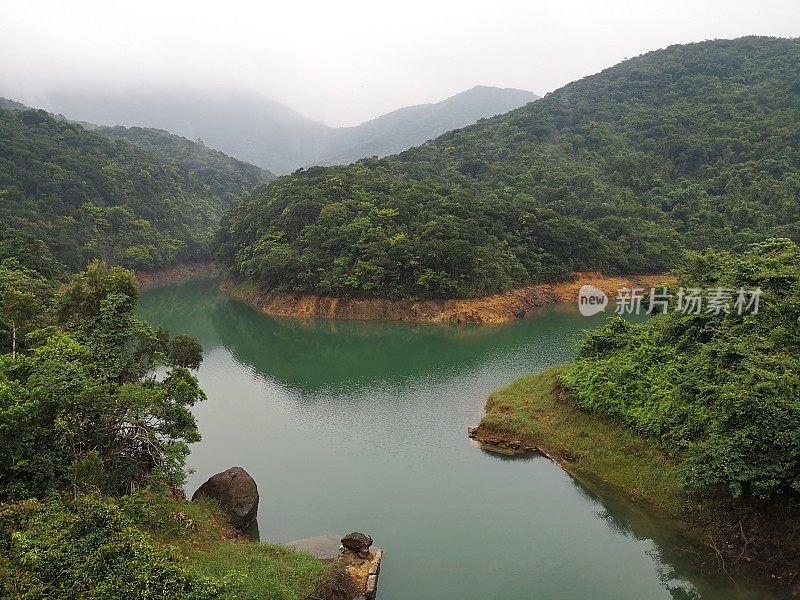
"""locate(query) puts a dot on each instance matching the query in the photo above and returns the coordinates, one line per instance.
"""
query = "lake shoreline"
(532, 414)
(493, 309)
(182, 272)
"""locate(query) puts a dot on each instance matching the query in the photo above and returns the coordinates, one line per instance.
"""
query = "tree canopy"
(689, 147)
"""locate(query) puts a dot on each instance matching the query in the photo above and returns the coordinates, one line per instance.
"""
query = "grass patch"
(257, 571)
(199, 535)
(531, 410)
(148, 546)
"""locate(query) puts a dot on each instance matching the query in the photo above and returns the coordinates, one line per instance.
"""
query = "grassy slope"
(201, 536)
(529, 410)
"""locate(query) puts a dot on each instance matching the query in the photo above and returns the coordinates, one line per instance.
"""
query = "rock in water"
(236, 493)
(357, 542)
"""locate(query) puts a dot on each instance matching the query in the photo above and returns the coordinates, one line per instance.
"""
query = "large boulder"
(236, 493)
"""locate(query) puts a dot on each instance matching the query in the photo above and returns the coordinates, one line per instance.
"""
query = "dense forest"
(69, 195)
(225, 176)
(721, 389)
(689, 147)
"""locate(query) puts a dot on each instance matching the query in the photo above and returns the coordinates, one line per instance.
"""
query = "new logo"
(591, 300)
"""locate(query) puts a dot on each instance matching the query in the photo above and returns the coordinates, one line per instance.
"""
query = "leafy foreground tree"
(84, 407)
(95, 426)
(722, 391)
(82, 410)
(23, 294)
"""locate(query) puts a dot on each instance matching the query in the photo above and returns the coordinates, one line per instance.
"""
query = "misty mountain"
(401, 129)
(266, 133)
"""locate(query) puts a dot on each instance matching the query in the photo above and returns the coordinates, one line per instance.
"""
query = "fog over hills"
(267, 133)
(413, 125)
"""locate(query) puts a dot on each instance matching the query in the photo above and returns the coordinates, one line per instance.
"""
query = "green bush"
(82, 408)
(723, 391)
(88, 548)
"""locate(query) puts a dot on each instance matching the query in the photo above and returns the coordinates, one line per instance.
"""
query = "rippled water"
(362, 426)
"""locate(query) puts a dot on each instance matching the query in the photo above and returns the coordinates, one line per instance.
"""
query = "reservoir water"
(363, 426)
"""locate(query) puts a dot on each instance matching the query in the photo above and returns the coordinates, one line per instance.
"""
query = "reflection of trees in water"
(685, 567)
(184, 307)
(317, 355)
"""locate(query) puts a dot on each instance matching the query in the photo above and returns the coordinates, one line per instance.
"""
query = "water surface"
(362, 426)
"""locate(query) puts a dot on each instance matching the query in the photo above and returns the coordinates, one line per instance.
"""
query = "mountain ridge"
(271, 135)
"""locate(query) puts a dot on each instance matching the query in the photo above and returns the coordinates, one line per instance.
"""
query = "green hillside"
(224, 175)
(68, 195)
(687, 147)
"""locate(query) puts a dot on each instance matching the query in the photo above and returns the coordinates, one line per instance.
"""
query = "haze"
(345, 62)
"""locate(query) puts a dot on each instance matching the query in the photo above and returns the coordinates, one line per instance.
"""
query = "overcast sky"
(343, 62)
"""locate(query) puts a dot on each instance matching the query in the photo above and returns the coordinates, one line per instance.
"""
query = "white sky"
(343, 62)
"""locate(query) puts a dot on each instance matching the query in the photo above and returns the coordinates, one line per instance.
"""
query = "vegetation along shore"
(694, 414)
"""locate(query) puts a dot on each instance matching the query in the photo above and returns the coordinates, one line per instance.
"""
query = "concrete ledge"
(363, 570)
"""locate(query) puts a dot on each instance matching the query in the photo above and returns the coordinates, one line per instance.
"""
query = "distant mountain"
(400, 130)
(248, 126)
(271, 135)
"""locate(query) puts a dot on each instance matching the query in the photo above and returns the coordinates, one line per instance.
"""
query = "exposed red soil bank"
(496, 308)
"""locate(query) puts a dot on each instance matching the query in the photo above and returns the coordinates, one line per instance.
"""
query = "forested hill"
(691, 146)
(68, 195)
(225, 175)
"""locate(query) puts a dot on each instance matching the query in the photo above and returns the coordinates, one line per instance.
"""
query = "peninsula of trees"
(689, 147)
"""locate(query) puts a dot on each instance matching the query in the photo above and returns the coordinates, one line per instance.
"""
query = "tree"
(22, 294)
(185, 351)
(84, 408)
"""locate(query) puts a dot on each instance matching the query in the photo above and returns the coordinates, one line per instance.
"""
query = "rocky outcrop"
(236, 493)
(496, 308)
(360, 564)
(357, 542)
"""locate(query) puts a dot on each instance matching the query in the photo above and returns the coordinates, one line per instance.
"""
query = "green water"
(363, 426)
